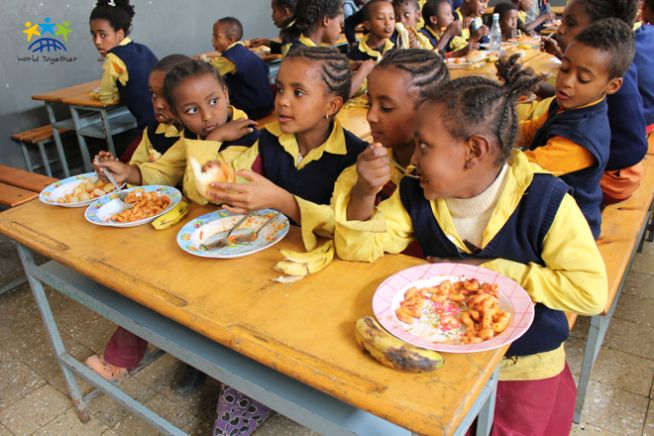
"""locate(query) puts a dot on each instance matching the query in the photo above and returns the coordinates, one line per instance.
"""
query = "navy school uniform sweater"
(589, 128)
(644, 61)
(520, 240)
(159, 141)
(139, 61)
(313, 182)
(249, 86)
(628, 140)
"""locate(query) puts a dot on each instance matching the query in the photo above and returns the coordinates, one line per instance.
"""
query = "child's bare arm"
(373, 173)
(361, 71)
(232, 131)
(121, 172)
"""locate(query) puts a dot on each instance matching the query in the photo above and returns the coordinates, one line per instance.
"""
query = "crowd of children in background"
(451, 163)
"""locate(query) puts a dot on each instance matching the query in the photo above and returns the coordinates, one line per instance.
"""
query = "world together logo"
(44, 43)
(47, 37)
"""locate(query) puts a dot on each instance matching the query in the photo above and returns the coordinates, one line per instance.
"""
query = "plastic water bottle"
(495, 34)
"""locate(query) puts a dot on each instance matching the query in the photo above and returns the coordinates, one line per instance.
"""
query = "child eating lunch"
(478, 201)
(379, 21)
(441, 28)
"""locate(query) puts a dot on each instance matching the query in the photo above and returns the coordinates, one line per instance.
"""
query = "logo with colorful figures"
(43, 42)
(47, 37)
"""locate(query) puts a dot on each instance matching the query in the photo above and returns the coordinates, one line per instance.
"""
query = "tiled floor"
(33, 397)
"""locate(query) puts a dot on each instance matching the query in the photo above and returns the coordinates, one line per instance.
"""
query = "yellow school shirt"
(456, 43)
(573, 278)
(375, 54)
(465, 32)
(522, 16)
(304, 40)
(113, 69)
(145, 151)
(174, 167)
(222, 64)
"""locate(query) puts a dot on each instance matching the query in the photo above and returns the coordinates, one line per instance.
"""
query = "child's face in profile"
(333, 29)
(440, 159)
(201, 104)
(381, 21)
(477, 7)
(509, 23)
(575, 19)
(104, 36)
(302, 98)
(584, 76)
(219, 38)
(445, 15)
(279, 14)
(162, 112)
(392, 106)
(408, 14)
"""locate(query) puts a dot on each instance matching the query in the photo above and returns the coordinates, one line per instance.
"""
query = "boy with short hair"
(408, 13)
(572, 139)
(246, 75)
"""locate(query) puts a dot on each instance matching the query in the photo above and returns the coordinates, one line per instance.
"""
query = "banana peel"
(393, 352)
(297, 264)
(172, 217)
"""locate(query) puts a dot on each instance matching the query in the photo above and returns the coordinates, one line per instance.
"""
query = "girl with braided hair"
(315, 23)
(282, 16)
(292, 168)
(477, 200)
(127, 64)
(624, 169)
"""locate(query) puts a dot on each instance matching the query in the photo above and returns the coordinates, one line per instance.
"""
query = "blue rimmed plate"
(201, 229)
(101, 211)
(55, 194)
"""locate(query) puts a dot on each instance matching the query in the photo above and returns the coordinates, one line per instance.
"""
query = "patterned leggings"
(238, 414)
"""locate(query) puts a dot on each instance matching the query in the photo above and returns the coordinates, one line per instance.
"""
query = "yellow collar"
(169, 130)
(126, 40)
(519, 176)
(235, 44)
(335, 143)
(305, 40)
(592, 103)
(432, 32)
(375, 54)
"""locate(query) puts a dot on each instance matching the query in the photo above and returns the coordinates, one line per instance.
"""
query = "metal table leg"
(107, 132)
(86, 158)
(57, 139)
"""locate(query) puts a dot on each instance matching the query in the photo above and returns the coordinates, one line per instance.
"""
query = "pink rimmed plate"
(513, 299)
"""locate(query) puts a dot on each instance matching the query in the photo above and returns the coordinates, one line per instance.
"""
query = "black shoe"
(190, 381)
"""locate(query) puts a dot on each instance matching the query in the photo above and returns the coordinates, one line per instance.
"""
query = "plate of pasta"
(454, 308)
(133, 207)
(76, 191)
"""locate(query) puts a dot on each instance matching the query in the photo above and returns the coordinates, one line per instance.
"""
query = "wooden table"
(302, 330)
(90, 117)
(542, 63)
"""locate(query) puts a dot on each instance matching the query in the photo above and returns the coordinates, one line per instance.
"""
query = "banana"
(403, 36)
(298, 264)
(308, 256)
(393, 352)
(172, 217)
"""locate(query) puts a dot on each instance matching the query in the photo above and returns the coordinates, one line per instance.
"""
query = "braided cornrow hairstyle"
(118, 13)
(426, 69)
(184, 70)
(476, 105)
(625, 10)
(335, 67)
(309, 12)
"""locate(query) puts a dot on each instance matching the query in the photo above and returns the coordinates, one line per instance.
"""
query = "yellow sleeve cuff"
(223, 65)
(533, 367)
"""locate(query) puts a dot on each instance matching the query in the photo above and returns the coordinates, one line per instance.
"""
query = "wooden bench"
(39, 137)
(623, 228)
(17, 187)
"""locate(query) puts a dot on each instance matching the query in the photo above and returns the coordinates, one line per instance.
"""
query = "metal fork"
(222, 242)
(250, 236)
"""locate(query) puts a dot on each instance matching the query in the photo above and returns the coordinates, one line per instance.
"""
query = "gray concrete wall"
(166, 26)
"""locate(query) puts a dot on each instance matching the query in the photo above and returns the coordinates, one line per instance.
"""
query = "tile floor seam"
(56, 417)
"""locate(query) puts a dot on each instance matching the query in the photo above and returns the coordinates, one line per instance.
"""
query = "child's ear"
(226, 92)
(433, 20)
(614, 85)
(479, 147)
(120, 34)
(366, 25)
(325, 21)
(335, 105)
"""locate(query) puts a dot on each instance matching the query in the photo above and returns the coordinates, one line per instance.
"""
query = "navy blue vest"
(644, 61)
(357, 55)
(628, 140)
(520, 240)
(159, 141)
(430, 36)
(315, 181)
(139, 61)
(249, 88)
(589, 128)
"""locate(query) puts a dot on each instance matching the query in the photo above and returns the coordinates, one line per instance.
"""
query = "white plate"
(57, 190)
(101, 211)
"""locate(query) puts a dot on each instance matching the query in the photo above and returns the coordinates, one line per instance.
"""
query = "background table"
(104, 120)
(303, 330)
